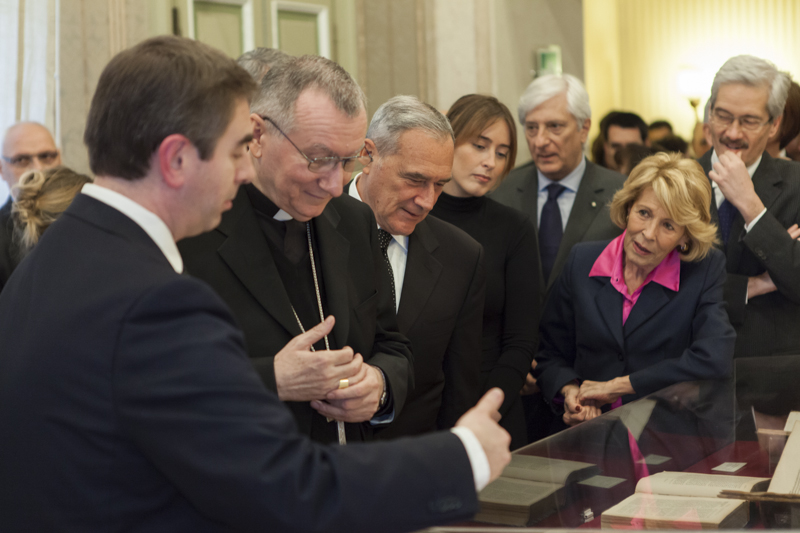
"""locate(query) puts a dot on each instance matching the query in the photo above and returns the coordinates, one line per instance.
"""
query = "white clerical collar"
(402, 240)
(750, 170)
(146, 219)
(571, 181)
(282, 216)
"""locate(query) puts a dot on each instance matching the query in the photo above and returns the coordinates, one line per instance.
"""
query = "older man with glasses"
(26, 146)
(291, 253)
(757, 203)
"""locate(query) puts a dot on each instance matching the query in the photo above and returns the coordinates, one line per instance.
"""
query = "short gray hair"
(287, 80)
(754, 72)
(546, 87)
(401, 114)
(258, 61)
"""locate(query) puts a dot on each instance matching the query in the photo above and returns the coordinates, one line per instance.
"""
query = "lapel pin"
(594, 204)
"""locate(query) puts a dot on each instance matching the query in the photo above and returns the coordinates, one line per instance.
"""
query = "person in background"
(41, 197)
(259, 60)
(658, 129)
(789, 132)
(672, 143)
(486, 148)
(701, 136)
(564, 195)
(756, 201)
(26, 146)
(618, 129)
(631, 155)
(645, 310)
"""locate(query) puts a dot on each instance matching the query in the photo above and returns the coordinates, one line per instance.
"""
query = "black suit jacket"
(669, 336)
(768, 324)
(589, 219)
(9, 251)
(236, 261)
(441, 312)
(128, 403)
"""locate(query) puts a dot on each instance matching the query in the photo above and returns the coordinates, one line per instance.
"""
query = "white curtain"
(28, 64)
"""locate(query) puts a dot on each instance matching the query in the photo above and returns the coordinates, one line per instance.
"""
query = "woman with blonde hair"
(41, 197)
(645, 310)
(485, 150)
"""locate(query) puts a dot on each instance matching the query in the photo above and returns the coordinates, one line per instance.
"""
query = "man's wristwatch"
(385, 393)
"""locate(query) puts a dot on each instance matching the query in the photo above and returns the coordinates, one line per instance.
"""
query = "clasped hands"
(303, 375)
(583, 402)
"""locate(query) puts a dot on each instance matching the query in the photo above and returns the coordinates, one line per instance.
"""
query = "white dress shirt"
(146, 219)
(567, 198)
(398, 254)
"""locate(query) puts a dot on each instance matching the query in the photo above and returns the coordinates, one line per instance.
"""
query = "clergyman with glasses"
(293, 252)
(757, 204)
(565, 195)
(26, 146)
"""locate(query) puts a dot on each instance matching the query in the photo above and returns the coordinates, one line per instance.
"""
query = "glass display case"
(733, 428)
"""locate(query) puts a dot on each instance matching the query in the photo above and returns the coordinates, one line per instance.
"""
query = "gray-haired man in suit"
(565, 195)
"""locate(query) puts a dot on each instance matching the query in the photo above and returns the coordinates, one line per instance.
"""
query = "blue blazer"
(669, 336)
(128, 403)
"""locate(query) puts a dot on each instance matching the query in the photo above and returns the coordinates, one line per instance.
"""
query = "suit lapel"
(609, 305)
(248, 255)
(334, 250)
(652, 298)
(588, 202)
(529, 196)
(422, 274)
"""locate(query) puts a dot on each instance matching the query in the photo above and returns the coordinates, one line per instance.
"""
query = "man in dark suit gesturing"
(565, 195)
(439, 281)
(757, 203)
(127, 401)
(290, 252)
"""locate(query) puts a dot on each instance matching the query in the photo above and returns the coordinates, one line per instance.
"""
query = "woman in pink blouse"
(645, 310)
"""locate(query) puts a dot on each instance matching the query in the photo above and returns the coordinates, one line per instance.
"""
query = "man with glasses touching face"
(757, 204)
(26, 146)
(291, 253)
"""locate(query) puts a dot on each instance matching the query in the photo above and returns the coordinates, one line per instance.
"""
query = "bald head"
(27, 146)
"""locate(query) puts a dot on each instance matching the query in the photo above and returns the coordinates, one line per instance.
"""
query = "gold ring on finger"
(344, 383)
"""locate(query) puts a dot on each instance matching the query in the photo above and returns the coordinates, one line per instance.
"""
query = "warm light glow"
(664, 51)
(692, 83)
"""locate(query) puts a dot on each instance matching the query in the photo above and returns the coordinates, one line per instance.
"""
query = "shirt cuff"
(477, 457)
(383, 419)
(748, 227)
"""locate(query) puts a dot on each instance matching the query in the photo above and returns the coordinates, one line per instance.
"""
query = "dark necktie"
(550, 229)
(384, 238)
(727, 212)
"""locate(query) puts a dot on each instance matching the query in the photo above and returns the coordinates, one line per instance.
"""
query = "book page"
(786, 479)
(794, 416)
(658, 507)
(542, 469)
(689, 484)
(515, 492)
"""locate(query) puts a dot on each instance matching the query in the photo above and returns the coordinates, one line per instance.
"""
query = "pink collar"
(609, 264)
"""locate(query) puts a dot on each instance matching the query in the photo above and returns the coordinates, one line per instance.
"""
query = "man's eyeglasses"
(323, 165)
(26, 160)
(748, 123)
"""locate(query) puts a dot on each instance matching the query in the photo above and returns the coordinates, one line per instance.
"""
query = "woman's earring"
(684, 248)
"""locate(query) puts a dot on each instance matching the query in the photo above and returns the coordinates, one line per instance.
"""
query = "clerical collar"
(264, 205)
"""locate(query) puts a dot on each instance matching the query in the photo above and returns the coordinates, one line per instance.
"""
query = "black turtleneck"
(511, 312)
